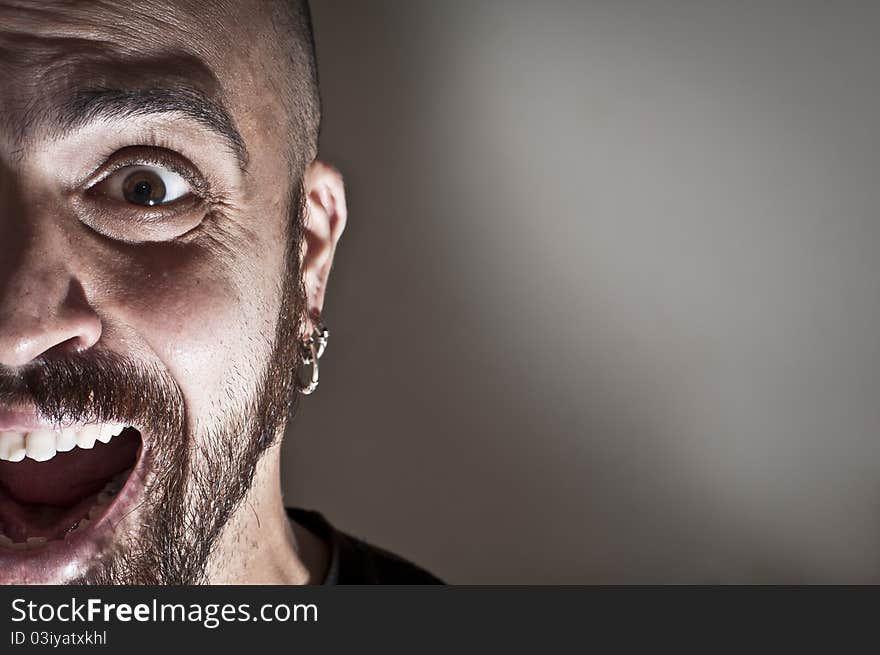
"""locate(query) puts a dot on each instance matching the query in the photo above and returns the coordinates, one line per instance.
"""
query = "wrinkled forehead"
(52, 53)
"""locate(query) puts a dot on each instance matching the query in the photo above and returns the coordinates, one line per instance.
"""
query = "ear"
(323, 224)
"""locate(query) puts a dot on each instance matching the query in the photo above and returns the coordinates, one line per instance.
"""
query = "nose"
(44, 310)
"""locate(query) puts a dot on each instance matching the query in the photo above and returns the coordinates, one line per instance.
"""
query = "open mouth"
(55, 484)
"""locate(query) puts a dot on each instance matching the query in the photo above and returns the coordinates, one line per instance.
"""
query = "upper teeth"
(41, 445)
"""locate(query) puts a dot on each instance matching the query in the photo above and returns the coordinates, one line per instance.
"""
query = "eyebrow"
(89, 105)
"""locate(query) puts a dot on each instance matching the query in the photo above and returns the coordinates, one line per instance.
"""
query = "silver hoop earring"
(311, 349)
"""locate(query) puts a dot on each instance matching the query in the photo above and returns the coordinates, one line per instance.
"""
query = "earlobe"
(323, 224)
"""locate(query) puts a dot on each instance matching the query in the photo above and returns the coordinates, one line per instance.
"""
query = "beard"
(195, 482)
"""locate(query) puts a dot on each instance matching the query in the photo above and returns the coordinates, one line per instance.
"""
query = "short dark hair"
(292, 22)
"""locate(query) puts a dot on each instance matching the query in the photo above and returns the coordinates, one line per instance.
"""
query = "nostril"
(71, 346)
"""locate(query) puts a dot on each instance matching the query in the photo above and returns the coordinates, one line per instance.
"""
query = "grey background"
(608, 304)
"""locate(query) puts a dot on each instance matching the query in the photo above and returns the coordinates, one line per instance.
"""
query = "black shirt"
(353, 561)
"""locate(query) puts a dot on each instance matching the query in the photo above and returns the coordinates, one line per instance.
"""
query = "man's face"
(145, 199)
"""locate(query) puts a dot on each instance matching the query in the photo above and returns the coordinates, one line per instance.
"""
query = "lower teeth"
(102, 501)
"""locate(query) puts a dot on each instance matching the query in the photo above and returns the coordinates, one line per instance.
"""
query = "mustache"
(98, 387)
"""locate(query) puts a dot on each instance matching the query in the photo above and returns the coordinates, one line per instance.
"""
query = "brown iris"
(143, 188)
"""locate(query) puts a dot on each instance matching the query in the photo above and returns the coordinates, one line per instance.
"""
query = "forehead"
(133, 26)
(49, 51)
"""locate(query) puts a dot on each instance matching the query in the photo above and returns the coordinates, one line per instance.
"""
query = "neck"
(258, 544)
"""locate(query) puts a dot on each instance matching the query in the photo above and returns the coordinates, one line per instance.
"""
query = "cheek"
(209, 323)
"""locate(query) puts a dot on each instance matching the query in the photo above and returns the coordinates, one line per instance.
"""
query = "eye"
(144, 193)
(144, 185)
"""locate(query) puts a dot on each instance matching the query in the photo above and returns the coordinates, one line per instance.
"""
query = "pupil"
(143, 190)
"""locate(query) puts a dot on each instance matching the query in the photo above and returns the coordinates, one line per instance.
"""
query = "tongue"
(69, 477)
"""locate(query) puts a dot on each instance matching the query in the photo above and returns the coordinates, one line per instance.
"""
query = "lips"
(56, 484)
